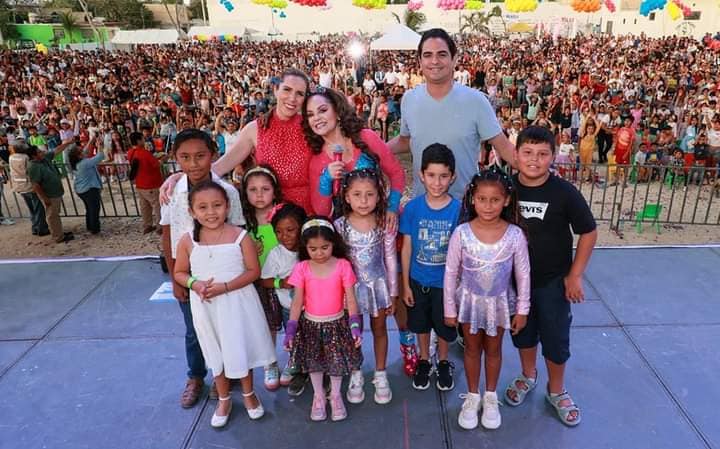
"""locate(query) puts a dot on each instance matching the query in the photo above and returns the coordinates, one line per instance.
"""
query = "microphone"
(337, 157)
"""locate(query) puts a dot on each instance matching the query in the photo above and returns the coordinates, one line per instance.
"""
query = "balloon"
(228, 5)
(201, 37)
(474, 4)
(229, 38)
(610, 5)
(648, 6)
(674, 11)
(586, 5)
(415, 5)
(521, 5)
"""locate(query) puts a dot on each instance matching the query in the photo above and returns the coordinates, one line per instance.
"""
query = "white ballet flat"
(221, 421)
(257, 412)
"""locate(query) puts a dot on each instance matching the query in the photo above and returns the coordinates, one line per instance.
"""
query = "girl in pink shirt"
(321, 336)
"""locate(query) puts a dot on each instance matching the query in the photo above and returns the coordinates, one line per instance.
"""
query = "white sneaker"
(383, 393)
(272, 377)
(491, 418)
(468, 417)
(6, 221)
(355, 393)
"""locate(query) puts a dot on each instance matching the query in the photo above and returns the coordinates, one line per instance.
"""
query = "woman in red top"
(330, 121)
(277, 141)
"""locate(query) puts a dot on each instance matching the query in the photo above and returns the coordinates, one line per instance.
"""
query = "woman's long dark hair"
(201, 187)
(492, 175)
(251, 223)
(350, 124)
(327, 233)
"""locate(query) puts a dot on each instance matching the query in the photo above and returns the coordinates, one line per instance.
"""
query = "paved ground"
(86, 361)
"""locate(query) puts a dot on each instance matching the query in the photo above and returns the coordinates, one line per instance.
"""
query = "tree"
(477, 22)
(132, 13)
(412, 19)
(89, 18)
(175, 20)
(198, 10)
(69, 24)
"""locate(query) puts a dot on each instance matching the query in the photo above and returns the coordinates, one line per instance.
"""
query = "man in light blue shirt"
(446, 112)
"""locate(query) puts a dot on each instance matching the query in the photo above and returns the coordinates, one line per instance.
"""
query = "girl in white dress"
(219, 263)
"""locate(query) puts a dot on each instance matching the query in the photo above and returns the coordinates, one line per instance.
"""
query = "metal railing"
(616, 194)
(650, 193)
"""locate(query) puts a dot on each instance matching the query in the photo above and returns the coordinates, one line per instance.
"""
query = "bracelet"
(276, 282)
(191, 280)
(354, 325)
(226, 288)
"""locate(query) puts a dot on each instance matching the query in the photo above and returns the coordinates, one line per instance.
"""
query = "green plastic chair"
(651, 212)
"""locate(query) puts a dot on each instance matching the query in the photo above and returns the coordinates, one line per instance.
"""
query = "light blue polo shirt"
(461, 121)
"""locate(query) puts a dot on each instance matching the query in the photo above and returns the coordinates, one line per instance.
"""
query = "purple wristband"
(290, 331)
(355, 325)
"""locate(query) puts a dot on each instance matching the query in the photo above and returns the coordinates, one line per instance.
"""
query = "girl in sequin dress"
(484, 254)
(320, 334)
(374, 258)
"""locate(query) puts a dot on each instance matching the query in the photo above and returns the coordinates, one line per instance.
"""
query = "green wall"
(43, 33)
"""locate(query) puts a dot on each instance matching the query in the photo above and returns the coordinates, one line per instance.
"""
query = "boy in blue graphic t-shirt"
(426, 224)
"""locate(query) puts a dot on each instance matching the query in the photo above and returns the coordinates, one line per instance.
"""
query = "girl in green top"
(260, 192)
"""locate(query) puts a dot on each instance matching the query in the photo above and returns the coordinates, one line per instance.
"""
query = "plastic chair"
(651, 212)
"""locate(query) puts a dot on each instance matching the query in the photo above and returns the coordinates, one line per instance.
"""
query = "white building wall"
(343, 17)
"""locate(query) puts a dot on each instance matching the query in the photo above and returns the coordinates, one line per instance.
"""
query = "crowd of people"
(286, 212)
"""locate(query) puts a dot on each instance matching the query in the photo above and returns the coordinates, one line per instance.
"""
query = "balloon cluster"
(415, 5)
(586, 5)
(674, 11)
(684, 8)
(277, 4)
(610, 5)
(474, 5)
(370, 4)
(648, 6)
(448, 5)
(521, 5)
(228, 5)
(222, 38)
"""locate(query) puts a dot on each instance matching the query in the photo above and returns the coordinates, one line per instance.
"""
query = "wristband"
(290, 331)
(394, 201)
(355, 325)
(326, 182)
(276, 282)
(191, 280)
(226, 288)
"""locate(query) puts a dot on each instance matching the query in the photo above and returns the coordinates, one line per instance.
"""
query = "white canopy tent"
(150, 36)
(397, 37)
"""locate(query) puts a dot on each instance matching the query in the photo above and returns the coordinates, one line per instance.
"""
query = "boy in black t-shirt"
(550, 206)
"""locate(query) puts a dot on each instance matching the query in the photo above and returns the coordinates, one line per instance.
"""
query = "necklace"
(209, 247)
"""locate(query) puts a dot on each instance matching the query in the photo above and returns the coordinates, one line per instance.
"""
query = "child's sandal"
(564, 412)
(257, 412)
(520, 393)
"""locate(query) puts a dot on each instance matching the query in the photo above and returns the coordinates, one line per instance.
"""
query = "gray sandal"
(520, 393)
(564, 412)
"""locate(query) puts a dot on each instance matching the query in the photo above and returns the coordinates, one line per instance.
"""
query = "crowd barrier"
(617, 194)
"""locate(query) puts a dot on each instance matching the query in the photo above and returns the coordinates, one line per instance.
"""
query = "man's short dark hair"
(536, 134)
(440, 34)
(135, 138)
(438, 153)
(195, 134)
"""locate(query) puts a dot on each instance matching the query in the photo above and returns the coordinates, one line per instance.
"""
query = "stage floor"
(87, 361)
